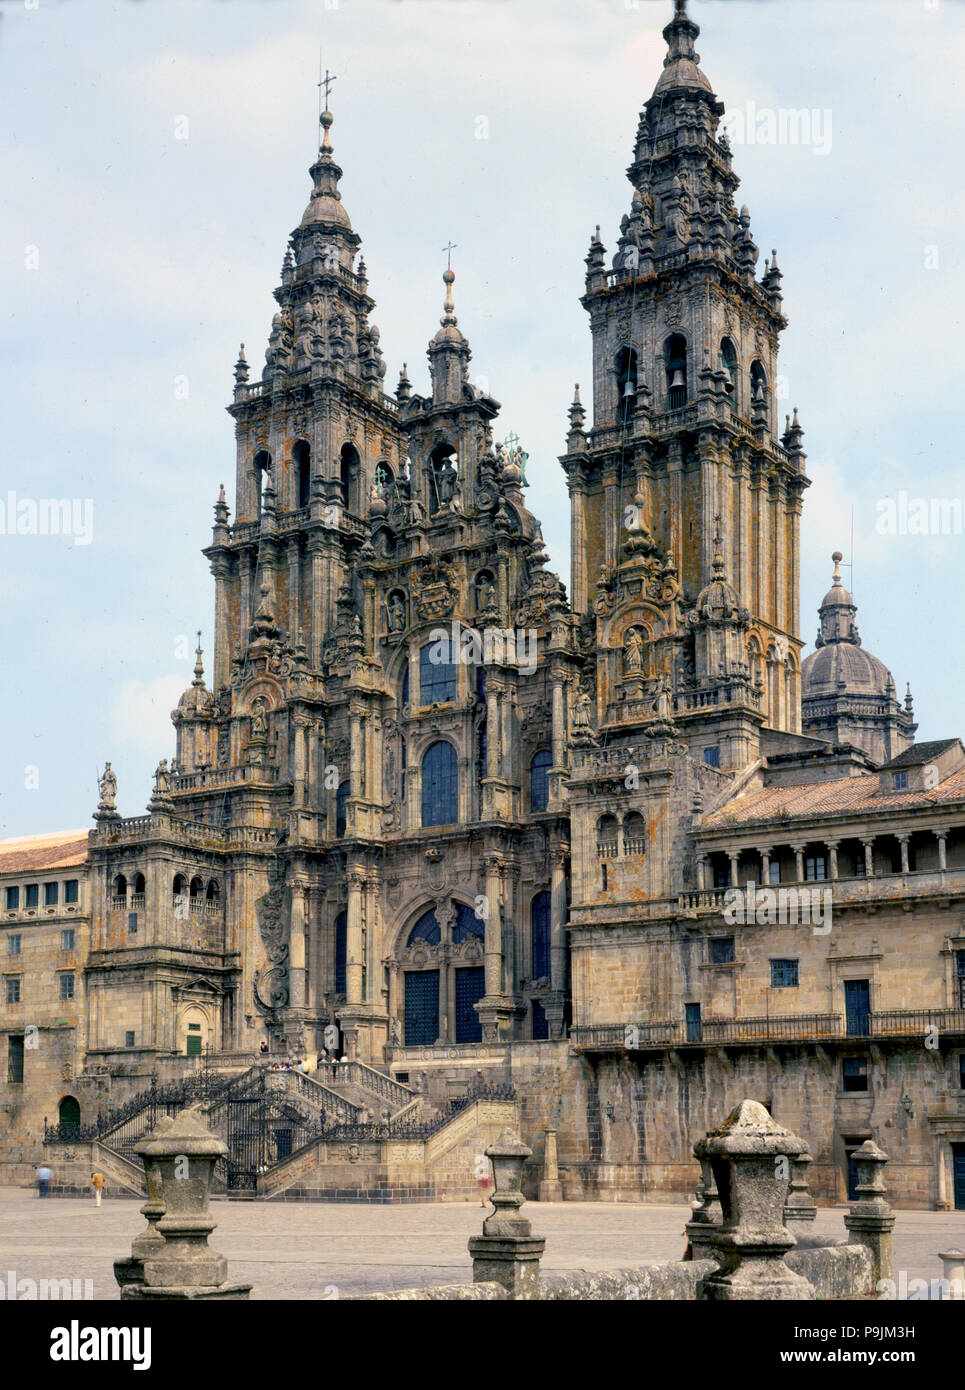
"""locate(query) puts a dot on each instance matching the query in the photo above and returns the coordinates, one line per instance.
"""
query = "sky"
(154, 161)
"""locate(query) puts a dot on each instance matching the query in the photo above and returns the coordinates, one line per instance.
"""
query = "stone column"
(353, 937)
(752, 1240)
(871, 1220)
(550, 1188)
(507, 1252)
(833, 858)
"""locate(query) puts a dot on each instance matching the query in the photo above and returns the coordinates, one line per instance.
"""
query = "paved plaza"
(299, 1250)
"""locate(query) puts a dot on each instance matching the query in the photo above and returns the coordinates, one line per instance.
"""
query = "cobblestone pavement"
(297, 1250)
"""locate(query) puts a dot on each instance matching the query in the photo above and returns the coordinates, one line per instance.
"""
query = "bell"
(678, 380)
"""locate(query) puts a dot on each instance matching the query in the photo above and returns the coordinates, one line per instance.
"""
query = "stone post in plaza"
(550, 1188)
(799, 1206)
(182, 1153)
(751, 1156)
(706, 1216)
(871, 1220)
(507, 1252)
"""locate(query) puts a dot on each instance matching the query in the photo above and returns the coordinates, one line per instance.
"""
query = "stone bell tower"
(682, 484)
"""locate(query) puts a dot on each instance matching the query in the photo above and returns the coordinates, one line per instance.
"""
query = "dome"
(842, 667)
(325, 208)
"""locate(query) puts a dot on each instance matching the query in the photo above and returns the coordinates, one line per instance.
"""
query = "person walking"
(98, 1180)
(481, 1170)
(44, 1174)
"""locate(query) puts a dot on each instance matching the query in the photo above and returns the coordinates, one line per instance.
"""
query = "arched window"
(440, 785)
(626, 373)
(539, 923)
(426, 929)
(634, 833)
(758, 381)
(438, 664)
(341, 942)
(349, 466)
(261, 468)
(728, 362)
(341, 796)
(675, 357)
(302, 463)
(68, 1114)
(467, 924)
(539, 780)
(607, 830)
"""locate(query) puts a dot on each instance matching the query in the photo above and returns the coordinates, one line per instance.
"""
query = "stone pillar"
(752, 1240)
(550, 1188)
(184, 1153)
(507, 1252)
(798, 1206)
(833, 859)
(353, 937)
(871, 1220)
(706, 1217)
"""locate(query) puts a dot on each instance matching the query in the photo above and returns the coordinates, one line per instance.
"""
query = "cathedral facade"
(456, 823)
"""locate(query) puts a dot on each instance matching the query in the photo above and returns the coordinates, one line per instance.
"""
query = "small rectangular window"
(899, 780)
(774, 871)
(722, 950)
(67, 939)
(32, 895)
(784, 974)
(66, 986)
(51, 894)
(13, 944)
(132, 923)
(128, 1039)
(712, 757)
(72, 891)
(13, 899)
(12, 991)
(855, 1073)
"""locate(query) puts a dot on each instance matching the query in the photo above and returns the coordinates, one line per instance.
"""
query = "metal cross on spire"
(449, 250)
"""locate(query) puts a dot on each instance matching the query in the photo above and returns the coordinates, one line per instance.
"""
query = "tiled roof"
(33, 853)
(844, 796)
(921, 753)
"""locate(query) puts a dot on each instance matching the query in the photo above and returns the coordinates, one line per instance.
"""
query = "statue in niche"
(396, 610)
(259, 720)
(632, 653)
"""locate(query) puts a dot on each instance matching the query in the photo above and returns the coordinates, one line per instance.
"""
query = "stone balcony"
(895, 1025)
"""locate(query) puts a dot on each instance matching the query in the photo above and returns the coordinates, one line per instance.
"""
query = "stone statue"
(446, 482)
(396, 612)
(632, 653)
(259, 720)
(108, 790)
